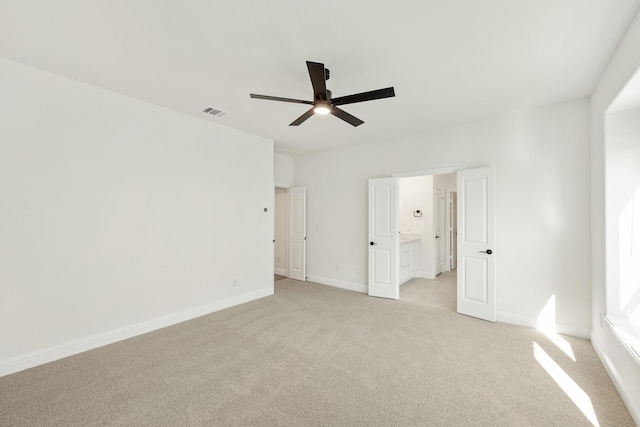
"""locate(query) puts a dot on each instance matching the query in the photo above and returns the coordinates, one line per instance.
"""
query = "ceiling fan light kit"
(323, 103)
(322, 107)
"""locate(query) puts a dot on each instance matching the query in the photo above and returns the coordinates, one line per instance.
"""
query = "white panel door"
(476, 261)
(297, 233)
(383, 238)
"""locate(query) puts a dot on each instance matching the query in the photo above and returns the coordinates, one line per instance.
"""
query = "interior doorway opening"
(425, 225)
(390, 262)
(290, 233)
(280, 240)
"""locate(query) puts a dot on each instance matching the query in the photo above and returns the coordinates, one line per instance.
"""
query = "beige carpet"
(316, 355)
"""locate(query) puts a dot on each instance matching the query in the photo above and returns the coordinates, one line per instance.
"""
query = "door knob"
(488, 252)
(371, 243)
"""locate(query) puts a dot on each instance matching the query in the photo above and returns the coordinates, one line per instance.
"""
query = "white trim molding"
(617, 378)
(350, 286)
(435, 171)
(50, 354)
(280, 271)
(561, 328)
(426, 274)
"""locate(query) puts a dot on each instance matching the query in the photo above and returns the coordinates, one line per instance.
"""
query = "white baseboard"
(426, 274)
(561, 328)
(281, 272)
(339, 284)
(39, 357)
(617, 379)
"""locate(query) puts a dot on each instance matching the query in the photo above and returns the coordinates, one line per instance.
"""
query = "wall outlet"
(337, 269)
(357, 272)
(278, 260)
(234, 282)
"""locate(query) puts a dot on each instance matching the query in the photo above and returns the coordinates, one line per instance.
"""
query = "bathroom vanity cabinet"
(409, 258)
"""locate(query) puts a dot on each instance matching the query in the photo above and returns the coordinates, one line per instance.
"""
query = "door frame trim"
(286, 243)
(423, 172)
(443, 223)
(448, 226)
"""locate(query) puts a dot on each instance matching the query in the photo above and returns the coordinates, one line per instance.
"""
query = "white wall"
(541, 162)
(117, 213)
(417, 193)
(445, 181)
(282, 170)
(621, 365)
(622, 207)
(280, 246)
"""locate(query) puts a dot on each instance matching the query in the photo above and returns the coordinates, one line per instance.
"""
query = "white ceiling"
(449, 61)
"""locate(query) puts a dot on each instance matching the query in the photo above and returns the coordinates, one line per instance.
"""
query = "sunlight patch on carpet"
(547, 325)
(564, 381)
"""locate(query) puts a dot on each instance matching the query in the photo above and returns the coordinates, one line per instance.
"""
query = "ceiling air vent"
(214, 112)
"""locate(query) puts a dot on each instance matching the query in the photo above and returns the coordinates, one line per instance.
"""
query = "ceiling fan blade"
(364, 96)
(341, 114)
(317, 74)
(276, 98)
(302, 118)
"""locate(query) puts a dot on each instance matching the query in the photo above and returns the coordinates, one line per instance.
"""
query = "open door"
(298, 233)
(476, 266)
(383, 238)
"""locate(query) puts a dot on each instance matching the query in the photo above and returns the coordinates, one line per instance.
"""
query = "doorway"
(475, 281)
(280, 239)
(423, 224)
(423, 234)
(290, 233)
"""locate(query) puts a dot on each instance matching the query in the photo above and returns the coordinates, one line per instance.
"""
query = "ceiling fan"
(323, 103)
